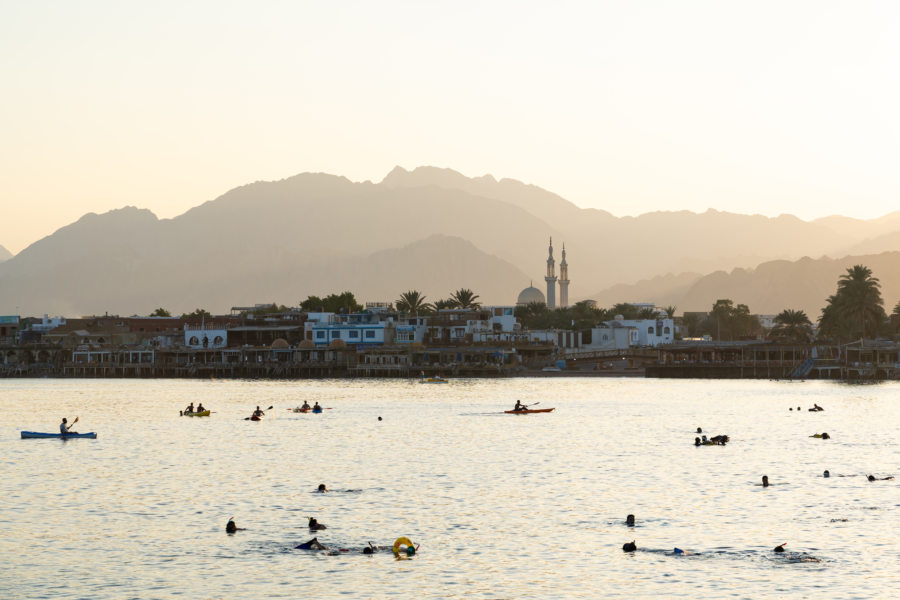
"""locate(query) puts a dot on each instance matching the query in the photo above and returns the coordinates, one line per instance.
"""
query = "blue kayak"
(35, 434)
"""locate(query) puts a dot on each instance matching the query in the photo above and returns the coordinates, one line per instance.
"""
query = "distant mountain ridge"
(315, 233)
(5, 254)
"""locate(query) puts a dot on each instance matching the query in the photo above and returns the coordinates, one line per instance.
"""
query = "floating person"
(312, 544)
(791, 409)
(826, 473)
(379, 418)
(873, 478)
(321, 489)
(314, 525)
(798, 408)
(720, 439)
(697, 442)
(231, 527)
(629, 520)
(780, 548)
(400, 542)
(823, 436)
(629, 546)
(765, 481)
(816, 408)
(699, 430)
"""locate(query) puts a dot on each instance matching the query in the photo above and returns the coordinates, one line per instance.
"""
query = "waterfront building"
(551, 278)
(357, 329)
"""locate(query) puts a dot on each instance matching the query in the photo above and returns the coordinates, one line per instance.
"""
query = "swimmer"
(873, 478)
(629, 520)
(231, 527)
(825, 436)
(629, 547)
(314, 525)
(699, 430)
(379, 418)
(765, 480)
(791, 409)
(720, 439)
(826, 473)
(697, 441)
(312, 544)
(780, 548)
(321, 489)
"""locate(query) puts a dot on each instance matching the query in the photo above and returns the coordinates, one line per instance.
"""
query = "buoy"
(403, 541)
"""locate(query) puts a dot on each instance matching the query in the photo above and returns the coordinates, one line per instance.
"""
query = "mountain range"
(433, 230)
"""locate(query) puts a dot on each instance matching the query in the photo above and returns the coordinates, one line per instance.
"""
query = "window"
(353, 334)
(370, 334)
(218, 340)
(605, 337)
(649, 331)
(336, 335)
(666, 331)
(194, 341)
(320, 335)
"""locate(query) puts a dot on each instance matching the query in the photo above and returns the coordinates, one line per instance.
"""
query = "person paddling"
(316, 407)
(65, 429)
(258, 412)
(190, 408)
(520, 406)
(305, 405)
(200, 408)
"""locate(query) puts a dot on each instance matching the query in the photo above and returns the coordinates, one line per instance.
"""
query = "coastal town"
(458, 337)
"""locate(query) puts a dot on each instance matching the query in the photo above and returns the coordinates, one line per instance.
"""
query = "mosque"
(532, 294)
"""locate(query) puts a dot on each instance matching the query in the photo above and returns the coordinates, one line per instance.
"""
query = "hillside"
(5, 254)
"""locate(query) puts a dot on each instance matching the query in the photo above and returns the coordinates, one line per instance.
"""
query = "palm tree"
(647, 313)
(859, 301)
(444, 303)
(793, 325)
(670, 311)
(465, 298)
(897, 308)
(413, 302)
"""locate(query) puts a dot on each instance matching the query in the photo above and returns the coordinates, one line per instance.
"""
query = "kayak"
(301, 410)
(203, 413)
(527, 411)
(433, 380)
(317, 410)
(35, 434)
(255, 418)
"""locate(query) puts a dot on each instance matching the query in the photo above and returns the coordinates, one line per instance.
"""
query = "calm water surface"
(504, 506)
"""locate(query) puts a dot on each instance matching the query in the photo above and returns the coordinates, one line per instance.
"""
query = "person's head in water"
(410, 551)
(699, 430)
(825, 436)
(826, 473)
(696, 441)
(779, 548)
(230, 527)
(629, 546)
(379, 418)
(321, 488)
(791, 409)
(765, 481)
(871, 478)
(629, 520)
(368, 550)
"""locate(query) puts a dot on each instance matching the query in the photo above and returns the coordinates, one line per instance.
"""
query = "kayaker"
(321, 489)
(316, 407)
(826, 473)
(190, 408)
(200, 408)
(314, 525)
(64, 429)
(520, 406)
(305, 405)
(312, 544)
(258, 412)
(765, 481)
(629, 520)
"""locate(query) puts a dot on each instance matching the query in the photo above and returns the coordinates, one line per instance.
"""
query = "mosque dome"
(529, 295)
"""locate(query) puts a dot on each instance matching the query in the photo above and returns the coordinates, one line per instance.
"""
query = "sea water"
(501, 506)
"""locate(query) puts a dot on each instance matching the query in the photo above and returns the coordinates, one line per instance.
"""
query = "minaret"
(551, 278)
(563, 280)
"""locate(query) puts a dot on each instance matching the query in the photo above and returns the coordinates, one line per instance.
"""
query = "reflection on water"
(502, 506)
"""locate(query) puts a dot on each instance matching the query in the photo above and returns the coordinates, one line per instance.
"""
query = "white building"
(204, 336)
(354, 329)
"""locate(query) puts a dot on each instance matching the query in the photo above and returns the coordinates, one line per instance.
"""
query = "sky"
(631, 107)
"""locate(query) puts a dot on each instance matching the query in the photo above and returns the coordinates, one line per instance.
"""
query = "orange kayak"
(528, 410)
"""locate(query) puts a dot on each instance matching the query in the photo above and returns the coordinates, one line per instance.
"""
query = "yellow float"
(404, 541)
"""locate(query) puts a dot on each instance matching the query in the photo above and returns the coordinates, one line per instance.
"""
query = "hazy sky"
(763, 107)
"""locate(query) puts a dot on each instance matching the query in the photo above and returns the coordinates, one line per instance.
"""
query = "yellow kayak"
(204, 413)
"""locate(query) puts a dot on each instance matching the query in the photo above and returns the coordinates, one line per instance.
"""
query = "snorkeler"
(765, 481)
(780, 547)
(231, 527)
(629, 520)
(629, 546)
(873, 478)
(312, 544)
(321, 489)
(826, 473)
(314, 525)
